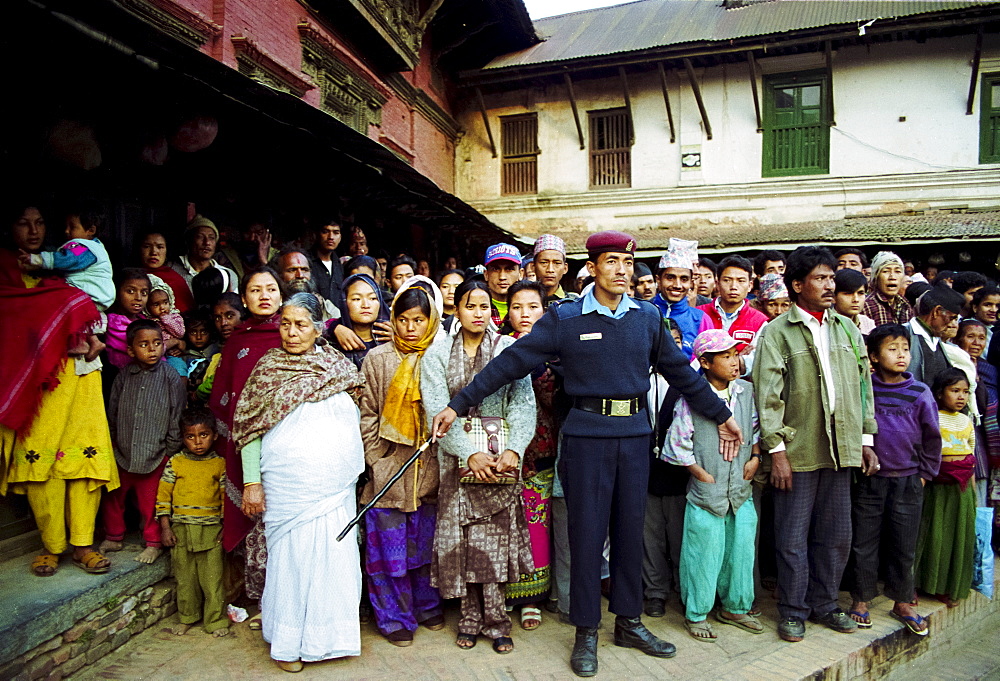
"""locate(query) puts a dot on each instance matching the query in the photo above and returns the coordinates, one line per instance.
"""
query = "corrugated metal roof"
(888, 229)
(647, 24)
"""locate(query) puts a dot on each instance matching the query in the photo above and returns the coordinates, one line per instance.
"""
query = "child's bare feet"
(149, 555)
(94, 348)
(80, 348)
(108, 545)
(219, 633)
(179, 629)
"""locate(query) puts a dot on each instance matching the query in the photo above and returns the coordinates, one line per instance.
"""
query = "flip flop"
(745, 622)
(503, 641)
(471, 638)
(255, 623)
(696, 629)
(90, 563)
(45, 565)
(530, 614)
(863, 619)
(912, 623)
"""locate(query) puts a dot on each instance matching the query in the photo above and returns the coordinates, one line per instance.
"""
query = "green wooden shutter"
(796, 125)
(989, 119)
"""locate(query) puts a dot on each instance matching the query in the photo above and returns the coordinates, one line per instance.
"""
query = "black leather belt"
(629, 406)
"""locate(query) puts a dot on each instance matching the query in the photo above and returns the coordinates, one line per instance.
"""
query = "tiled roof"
(861, 231)
(649, 24)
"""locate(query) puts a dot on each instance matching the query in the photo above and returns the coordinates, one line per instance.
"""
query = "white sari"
(310, 463)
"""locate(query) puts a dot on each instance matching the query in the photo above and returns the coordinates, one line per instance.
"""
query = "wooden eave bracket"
(752, 63)
(666, 100)
(975, 72)
(486, 121)
(697, 96)
(628, 105)
(576, 112)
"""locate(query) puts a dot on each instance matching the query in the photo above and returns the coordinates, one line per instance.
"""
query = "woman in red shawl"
(55, 447)
(261, 293)
(153, 254)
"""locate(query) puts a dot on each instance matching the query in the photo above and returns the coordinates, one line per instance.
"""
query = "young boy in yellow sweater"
(189, 509)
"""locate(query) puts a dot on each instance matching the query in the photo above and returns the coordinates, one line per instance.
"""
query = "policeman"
(606, 343)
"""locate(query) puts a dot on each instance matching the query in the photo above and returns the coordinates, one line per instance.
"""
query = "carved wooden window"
(519, 162)
(610, 149)
(796, 125)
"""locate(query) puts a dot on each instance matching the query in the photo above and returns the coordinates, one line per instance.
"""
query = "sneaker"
(792, 629)
(836, 619)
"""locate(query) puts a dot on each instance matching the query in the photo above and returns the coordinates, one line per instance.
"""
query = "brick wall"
(271, 26)
(94, 636)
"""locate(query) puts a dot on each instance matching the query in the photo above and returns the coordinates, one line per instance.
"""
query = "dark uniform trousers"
(605, 483)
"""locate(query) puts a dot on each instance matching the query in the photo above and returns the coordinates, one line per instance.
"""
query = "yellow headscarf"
(403, 414)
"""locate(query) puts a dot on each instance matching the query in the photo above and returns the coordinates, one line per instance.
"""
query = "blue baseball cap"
(503, 252)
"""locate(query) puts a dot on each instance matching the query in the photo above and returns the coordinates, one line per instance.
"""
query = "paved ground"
(976, 660)
(541, 655)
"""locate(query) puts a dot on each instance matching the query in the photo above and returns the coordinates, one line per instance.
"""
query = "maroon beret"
(610, 241)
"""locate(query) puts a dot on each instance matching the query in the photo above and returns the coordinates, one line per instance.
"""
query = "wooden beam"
(753, 88)
(486, 121)
(697, 97)
(666, 100)
(828, 49)
(576, 113)
(628, 104)
(975, 72)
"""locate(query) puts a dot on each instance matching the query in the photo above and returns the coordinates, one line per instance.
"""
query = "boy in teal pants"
(720, 522)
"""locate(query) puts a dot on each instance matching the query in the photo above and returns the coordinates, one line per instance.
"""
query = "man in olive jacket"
(814, 398)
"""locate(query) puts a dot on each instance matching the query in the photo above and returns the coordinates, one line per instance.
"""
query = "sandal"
(400, 637)
(914, 624)
(745, 622)
(91, 562)
(863, 619)
(503, 641)
(470, 639)
(255, 623)
(701, 631)
(45, 565)
(531, 617)
(434, 623)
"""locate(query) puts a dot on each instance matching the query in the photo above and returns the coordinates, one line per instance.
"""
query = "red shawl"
(40, 323)
(183, 298)
(245, 347)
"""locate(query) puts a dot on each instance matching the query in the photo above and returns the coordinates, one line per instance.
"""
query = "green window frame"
(989, 119)
(796, 124)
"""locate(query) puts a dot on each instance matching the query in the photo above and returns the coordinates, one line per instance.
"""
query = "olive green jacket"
(791, 399)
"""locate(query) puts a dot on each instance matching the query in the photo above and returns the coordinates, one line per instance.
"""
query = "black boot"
(584, 657)
(630, 632)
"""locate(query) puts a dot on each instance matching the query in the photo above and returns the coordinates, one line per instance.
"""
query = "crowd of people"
(793, 425)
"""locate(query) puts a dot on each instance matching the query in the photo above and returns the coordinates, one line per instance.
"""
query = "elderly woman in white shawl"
(297, 427)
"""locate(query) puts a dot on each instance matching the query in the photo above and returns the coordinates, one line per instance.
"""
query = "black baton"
(381, 493)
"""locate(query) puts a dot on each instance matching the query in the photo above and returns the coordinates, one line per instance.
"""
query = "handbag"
(488, 434)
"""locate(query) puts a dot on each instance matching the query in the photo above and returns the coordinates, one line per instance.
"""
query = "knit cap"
(882, 259)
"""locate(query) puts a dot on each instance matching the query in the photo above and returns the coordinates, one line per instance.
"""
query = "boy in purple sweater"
(908, 444)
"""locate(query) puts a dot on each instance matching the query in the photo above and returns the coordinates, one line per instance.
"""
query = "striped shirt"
(144, 411)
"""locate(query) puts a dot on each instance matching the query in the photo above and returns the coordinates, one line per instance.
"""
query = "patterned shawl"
(281, 382)
(403, 413)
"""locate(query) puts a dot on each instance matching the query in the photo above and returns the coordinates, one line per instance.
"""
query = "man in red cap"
(606, 343)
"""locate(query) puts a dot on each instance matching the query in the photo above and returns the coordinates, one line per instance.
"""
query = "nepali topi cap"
(772, 287)
(680, 253)
(610, 241)
(549, 242)
(503, 252)
(713, 340)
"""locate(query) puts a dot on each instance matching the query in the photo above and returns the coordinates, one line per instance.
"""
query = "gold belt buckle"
(620, 407)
